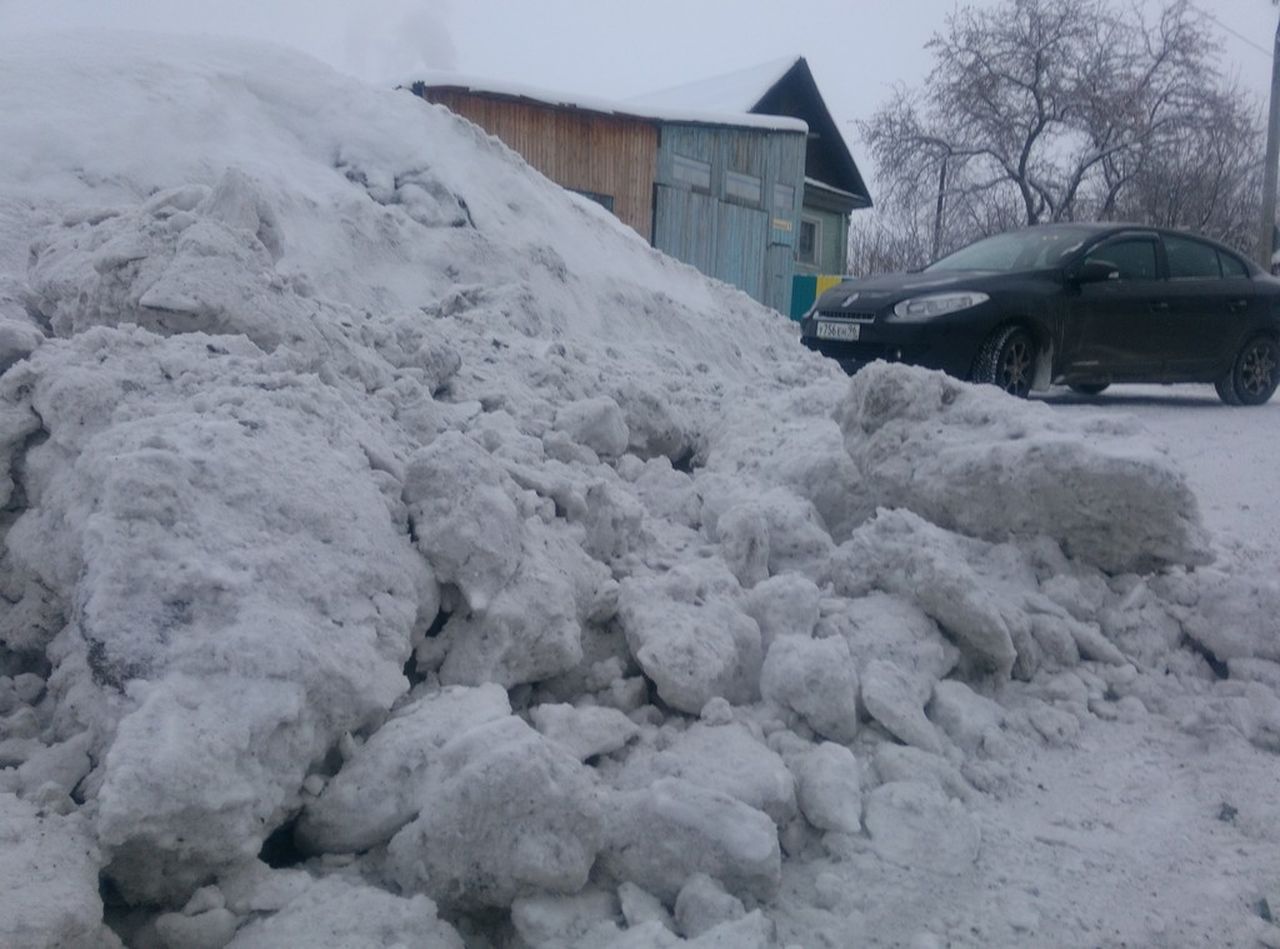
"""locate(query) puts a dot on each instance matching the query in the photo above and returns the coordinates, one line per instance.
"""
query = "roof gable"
(780, 87)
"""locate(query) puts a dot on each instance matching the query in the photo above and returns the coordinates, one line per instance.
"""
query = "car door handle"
(1238, 306)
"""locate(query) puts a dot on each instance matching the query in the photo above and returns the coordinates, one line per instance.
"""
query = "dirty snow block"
(660, 836)
(693, 651)
(467, 525)
(914, 825)
(816, 679)
(336, 911)
(597, 423)
(724, 758)
(584, 919)
(829, 783)
(655, 427)
(506, 814)
(48, 881)
(973, 460)
(380, 789)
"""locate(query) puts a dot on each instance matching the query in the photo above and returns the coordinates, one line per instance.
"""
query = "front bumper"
(949, 348)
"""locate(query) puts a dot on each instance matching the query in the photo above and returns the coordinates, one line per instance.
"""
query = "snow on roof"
(738, 91)
(673, 113)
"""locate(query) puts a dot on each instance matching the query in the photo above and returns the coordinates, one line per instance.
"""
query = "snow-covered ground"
(398, 551)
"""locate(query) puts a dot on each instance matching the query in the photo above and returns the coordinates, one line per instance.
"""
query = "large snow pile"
(400, 552)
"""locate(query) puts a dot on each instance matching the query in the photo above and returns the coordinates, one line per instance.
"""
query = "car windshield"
(1029, 249)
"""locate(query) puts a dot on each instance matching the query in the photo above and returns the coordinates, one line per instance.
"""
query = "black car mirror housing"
(1096, 271)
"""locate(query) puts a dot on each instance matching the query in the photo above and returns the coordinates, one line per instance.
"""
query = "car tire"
(1089, 388)
(1226, 387)
(1008, 360)
(1254, 374)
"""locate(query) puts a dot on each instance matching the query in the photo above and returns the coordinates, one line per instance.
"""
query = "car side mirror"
(1096, 271)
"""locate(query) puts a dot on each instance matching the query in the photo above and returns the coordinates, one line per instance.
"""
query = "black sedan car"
(1083, 305)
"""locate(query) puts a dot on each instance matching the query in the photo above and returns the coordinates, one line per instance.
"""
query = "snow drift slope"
(376, 507)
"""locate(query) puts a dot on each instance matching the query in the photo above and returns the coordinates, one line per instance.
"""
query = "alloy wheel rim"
(1016, 364)
(1257, 369)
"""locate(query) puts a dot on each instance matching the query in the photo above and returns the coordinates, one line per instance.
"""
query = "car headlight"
(935, 304)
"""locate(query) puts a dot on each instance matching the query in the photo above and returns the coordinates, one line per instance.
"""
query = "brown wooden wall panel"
(586, 151)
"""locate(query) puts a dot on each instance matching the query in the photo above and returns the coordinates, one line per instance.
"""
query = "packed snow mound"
(397, 547)
(964, 458)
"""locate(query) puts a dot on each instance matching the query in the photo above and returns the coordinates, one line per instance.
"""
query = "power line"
(1240, 36)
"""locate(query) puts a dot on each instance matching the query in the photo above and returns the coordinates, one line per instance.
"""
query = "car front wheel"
(1254, 374)
(1008, 360)
(1089, 388)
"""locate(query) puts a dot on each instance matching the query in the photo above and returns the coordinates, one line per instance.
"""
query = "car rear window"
(1189, 259)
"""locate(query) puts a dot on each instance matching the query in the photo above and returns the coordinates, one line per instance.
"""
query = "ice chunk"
(829, 783)
(972, 460)
(506, 814)
(703, 905)
(584, 732)
(693, 649)
(724, 758)
(661, 835)
(597, 423)
(816, 679)
(381, 788)
(896, 701)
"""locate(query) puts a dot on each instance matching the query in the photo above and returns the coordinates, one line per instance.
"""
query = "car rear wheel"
(1007, 359)
(1089, 388)
(1254, 375)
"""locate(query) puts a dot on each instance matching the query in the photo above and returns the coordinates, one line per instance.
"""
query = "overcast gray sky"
(608, 48)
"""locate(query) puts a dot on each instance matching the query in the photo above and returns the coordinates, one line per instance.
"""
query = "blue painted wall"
(727, 201)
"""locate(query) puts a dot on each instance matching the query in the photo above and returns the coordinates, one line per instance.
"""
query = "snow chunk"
(816, 679)
(966, 717)
(724, 758)
(914, 825)
(597, 423)
(660, 836)
(484, 839)
(829, 782)
(335, 911)
(584, 732)
(785, 605)
(381, 788)
(694, 647)
(703, 904)
(896, 701)
(973, 460)
(467, 525)
(554, 922)
(48, 880)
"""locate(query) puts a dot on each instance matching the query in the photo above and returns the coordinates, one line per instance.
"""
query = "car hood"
(872, 293)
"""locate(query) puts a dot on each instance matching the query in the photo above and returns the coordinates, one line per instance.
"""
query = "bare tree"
(1039, 110)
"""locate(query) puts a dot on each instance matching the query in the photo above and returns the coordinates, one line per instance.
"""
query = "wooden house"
(833, 185)
(718, 191)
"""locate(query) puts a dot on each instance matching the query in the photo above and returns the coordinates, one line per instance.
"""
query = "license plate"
(842, 331)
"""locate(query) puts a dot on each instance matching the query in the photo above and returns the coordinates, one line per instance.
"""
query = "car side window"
(1134, 258)
(1190, 260)
(1232, 266)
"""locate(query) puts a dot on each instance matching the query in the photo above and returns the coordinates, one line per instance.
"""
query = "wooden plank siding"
(748, 242)
(584, 151)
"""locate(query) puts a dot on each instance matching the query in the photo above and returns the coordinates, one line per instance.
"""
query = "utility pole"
(1266, 237)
